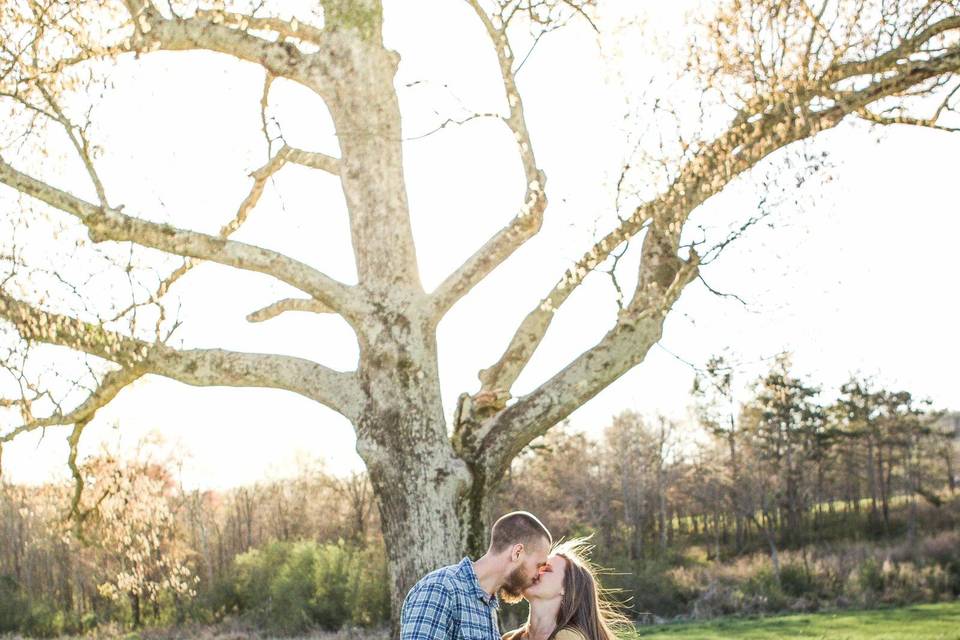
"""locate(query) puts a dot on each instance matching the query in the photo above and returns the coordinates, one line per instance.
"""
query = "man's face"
(550, 583)
(528, 560)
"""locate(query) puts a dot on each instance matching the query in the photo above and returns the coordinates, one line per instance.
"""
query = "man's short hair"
(517, 527)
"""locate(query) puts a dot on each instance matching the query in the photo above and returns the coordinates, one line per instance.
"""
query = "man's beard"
(512, 590)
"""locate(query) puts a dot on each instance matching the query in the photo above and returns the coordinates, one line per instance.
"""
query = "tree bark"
(948, 465)
(767, 528)
(135, 609)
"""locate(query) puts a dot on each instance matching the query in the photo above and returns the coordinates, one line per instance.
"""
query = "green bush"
(763, 588)
(796, 581)
(221, 599)
(335, 581)
(12, 604)
(45, 621)
(292, 587)
(649, 587)
(870, 578)
(944, 550)
(293, 596)
(41, 622)
(371, 590)
(88, 622)
(255, 571)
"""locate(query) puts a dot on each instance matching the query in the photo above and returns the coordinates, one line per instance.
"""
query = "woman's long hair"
(586, 605)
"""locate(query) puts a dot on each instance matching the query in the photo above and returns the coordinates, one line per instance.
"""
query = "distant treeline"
(791, 500)
(788, 501)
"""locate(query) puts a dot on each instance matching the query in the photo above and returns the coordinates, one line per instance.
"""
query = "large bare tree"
(766, 74)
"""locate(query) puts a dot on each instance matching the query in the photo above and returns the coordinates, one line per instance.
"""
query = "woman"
(566, 602)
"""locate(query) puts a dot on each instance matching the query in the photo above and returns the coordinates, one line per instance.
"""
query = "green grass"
(922, 622)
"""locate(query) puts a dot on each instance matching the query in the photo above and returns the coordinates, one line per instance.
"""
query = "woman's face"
(549, 585)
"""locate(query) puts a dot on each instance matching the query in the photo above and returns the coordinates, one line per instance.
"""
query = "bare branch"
(929, 123)
(260, 177)
(292, 29)
(79, 141)
(228, 33)
(893, 57)
(780, 121)
(314, 160)
(454, 122)
(113, 382)
(289, 304)
(530, 218)
(638, 328)
(533, 328)
(268, 79)
(112, 224)
(198, 367)
(721, 294)
(73, 441)
(490, 255)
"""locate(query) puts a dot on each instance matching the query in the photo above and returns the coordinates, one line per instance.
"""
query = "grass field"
(922, 622)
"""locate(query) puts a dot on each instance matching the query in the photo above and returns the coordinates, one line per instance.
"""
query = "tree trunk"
(432, 498)
(793, 515)
(735, 484)
(632, 512)
(915, 486)
(716, 534)
(774, 556)
(884, 490)
(871, 475)
(423, 487)
(135, 609)
(636, 538)
(948, 463)
(420, 502)
(818, 513)
(662, 521)
(661, 494)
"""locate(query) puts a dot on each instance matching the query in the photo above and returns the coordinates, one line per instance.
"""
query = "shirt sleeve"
(427, 613)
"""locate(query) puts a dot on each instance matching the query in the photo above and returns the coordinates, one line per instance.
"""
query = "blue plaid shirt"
(449, 604)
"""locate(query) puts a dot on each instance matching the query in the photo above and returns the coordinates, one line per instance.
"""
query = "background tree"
(768, 74)
(786, 430)
(716, 412)
(858, 408)
(630, 446)
(130, 520)
(356, 492)
(947, 431)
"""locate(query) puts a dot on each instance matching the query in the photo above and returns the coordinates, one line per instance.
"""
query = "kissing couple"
(460, 602)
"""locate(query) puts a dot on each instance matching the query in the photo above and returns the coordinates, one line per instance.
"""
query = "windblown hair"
(586, 606)
(517, 527)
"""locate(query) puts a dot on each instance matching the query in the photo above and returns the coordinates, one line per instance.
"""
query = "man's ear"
(515, 552)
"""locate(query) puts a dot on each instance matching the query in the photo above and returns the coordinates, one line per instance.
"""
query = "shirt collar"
(466, 567)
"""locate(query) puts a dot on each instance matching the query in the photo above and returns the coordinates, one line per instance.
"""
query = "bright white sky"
(855, 276)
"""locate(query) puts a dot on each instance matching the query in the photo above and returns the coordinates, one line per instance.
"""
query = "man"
(459, 602)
